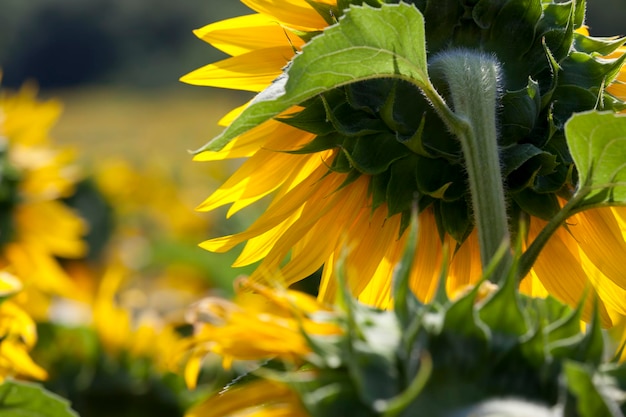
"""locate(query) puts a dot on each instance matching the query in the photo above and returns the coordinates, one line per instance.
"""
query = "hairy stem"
(473, 81)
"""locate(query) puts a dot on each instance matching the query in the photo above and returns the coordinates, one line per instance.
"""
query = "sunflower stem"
(473, 82)
(529, 257)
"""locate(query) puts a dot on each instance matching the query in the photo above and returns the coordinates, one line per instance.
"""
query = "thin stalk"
(529, 257)
(473, 82)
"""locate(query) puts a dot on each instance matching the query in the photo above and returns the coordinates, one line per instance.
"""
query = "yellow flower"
(37, 227)
(316, 213)
(618, 88)
(262, 398)
(261, 323)
(124, 328)
(147, 198)
(18, 334)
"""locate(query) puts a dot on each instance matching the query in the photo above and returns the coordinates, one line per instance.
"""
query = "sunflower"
(261, 323)
(262, 398)
(18, 334)
(37, 227)
(332, 192)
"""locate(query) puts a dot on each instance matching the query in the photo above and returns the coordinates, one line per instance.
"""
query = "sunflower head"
(364, 121)
(386, 129)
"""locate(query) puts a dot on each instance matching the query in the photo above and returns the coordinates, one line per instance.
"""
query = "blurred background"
(114, 65)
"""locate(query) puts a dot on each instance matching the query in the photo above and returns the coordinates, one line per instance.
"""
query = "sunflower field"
(382, 208)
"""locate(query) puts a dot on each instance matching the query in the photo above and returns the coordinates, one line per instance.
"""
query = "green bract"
(506, 354)
(369, 90)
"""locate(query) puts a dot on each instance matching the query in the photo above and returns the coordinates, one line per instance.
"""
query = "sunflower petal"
(252, 71)
(245, 34)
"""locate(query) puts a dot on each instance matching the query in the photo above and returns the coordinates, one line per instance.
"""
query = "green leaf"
(367, 43)
(589, 402)
(25, 399)
(597, 142)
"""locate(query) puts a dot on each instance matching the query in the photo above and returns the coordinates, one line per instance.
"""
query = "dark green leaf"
(368, 43)
(25, 399)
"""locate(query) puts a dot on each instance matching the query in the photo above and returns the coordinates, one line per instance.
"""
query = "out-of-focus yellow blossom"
(18, 334)
(148, 198)
(260, 323)
(37, 226)
(141, 334)
(315, 213)
(262, 398)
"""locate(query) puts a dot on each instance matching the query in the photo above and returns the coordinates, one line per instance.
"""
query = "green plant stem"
(529, 257)
(473, 81)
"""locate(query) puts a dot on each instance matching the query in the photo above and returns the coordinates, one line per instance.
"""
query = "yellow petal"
(261, 398)
(297, 14)
(14, 354)
(599, 235)
(559, 269)
(247, 33)
(279, 211)
(252, 71)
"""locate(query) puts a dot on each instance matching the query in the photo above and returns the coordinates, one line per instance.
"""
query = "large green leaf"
(367, 43)
(597, 143)
(25, 399)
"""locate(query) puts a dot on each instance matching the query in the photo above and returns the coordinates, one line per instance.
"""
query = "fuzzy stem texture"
(472, 78)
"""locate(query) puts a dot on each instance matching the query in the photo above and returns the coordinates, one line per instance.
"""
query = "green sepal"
(461, 322)
(584, 395)
(503, 314)
(371, 95)
(341, 164)
(520, 110)
(329, 393)
(311, 119)
(373, 154)
(349, 121)
(416, 142)
(557, 27)
(453, 219)
(405, 302)
(438, 179)
(378, 188)
(544, 206)
(522, 163)
(371, 358)
(401, 188)
(597, 46)
(588, 72)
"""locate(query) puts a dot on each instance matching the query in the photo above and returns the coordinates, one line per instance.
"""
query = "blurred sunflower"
(262, 398)
(260, 324)
(151, 200)
(331, 190)
(36, 226)
(18, 334)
